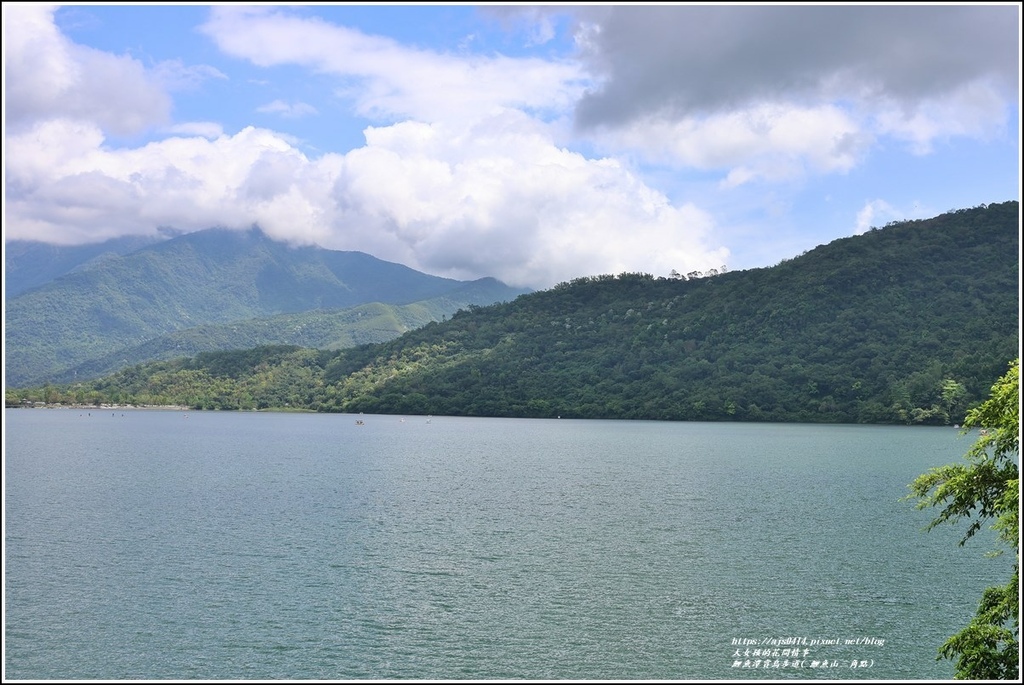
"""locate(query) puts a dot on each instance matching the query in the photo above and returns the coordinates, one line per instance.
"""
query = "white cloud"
(775, 93)
(470, 171)
(496, 200)
(481, 191)
(289, 110)
(176, 75)
(206, 129)
(188, 183)
(501, 199)
(389, 81)
(705, 74)
(875, 214)
(48, 76)
(772, 143)
(977, 110)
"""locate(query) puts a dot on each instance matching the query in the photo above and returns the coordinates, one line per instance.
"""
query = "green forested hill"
(330, 329)
(909, 323)
(30, 264)
(108, 313)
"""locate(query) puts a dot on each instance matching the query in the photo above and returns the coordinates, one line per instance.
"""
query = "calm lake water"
(208, 545)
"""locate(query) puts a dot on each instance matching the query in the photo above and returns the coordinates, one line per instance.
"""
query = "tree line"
(906, 324)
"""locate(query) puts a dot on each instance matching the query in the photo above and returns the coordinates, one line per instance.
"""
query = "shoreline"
(90, 407)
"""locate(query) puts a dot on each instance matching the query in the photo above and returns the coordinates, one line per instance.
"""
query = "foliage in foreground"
(986, 488)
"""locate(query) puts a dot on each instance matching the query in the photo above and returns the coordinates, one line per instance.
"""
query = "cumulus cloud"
(46, 75)
(497, 200)
(768, 142)
(64, 185)
(772, 91)
(682, 61)
(470, 168)
(473, 186)
(501, 199)
(777, 93)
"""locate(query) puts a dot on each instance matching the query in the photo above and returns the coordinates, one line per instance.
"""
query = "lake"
(212, 545)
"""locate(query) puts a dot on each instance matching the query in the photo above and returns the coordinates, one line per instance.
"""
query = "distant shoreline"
(44, 405)
(156, 407)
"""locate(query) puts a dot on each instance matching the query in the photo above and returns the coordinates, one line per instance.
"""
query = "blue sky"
(534, 144)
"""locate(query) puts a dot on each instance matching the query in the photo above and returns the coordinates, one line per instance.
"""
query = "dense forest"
(910, 323)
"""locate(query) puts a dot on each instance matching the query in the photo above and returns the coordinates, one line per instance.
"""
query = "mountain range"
(80, 312)
(909, 323)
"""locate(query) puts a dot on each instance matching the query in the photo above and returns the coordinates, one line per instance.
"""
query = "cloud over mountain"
(614, 139)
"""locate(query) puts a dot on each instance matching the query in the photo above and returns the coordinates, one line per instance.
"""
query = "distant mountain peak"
(88, 307)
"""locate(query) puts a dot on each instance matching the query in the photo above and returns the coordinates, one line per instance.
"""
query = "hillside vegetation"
(30, 264)
(214, 289)
(911, 323)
